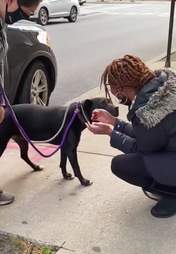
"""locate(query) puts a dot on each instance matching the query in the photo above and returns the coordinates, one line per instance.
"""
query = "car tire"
(35, 85)
(43, 16)
(73, 14)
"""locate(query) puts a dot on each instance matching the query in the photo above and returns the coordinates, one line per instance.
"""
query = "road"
(104, 32)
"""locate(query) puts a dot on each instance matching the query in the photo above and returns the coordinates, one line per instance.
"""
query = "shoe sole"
(7, 202)
(162, 216)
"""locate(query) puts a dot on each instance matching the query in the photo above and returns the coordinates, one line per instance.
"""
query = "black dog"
(41, 123)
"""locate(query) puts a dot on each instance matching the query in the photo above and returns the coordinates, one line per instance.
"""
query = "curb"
(160, 57)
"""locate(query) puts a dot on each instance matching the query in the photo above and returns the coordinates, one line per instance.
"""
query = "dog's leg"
(3, 144)
(63, 164)
(72, 155)
(6, 129)
(23, 144)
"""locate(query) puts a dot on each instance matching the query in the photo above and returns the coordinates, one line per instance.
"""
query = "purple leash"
(23, 133)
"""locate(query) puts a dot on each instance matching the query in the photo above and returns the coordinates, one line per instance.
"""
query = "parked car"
(49, 9)
(32, 64)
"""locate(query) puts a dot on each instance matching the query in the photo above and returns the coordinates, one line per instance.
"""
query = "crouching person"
(149, 141)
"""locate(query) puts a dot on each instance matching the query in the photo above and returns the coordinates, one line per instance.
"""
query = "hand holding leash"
(100, 128)
(101, 115)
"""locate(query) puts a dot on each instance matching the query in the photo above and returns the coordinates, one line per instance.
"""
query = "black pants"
(131, 168)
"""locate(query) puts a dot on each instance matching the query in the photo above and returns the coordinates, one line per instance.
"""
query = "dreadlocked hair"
(128, 71)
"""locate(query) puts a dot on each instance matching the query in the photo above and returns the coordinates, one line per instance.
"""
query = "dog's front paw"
(38, 168)
(86, 182)
(68, 176)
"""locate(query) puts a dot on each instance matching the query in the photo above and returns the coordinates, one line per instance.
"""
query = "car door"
(59, 8)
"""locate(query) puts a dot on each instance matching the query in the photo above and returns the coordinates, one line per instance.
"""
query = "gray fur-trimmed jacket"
(152, 131)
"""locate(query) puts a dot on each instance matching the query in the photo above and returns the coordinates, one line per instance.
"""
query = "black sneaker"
(6, 198)
(166, 207)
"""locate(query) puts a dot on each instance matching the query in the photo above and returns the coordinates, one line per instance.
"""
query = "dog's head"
(99, 103)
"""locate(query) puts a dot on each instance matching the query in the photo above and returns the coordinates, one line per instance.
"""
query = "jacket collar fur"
(156, 99)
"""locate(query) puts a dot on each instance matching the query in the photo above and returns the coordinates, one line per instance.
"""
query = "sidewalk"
(161, 63)
(109, 217)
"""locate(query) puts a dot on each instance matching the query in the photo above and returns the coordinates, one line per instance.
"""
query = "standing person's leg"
(5, 198)
(131, 168)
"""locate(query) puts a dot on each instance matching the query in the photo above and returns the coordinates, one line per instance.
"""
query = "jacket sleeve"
(145, 140)
(125, 128)
(123, 142)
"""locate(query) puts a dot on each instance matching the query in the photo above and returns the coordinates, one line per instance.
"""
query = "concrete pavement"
(108, 217)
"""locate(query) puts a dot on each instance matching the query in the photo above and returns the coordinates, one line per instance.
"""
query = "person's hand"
(100, 128)
(103, 116)
(2, 114)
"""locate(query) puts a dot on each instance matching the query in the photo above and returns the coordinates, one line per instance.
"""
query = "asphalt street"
(104, 32)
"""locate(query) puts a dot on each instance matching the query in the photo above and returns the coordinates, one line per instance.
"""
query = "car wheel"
(35, 85)
(73, 14)
(43, 16)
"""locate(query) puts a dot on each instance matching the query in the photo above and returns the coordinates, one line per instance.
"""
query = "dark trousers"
(131, 168)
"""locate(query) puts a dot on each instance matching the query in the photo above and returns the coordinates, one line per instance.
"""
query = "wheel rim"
(39, 88)
(73, 14)
(43, 16)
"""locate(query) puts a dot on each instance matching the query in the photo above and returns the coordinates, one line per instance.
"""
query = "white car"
(49, 9)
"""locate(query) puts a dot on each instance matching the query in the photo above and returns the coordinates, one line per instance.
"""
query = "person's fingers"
(88, 126)
(98, 124)
(99, 115)
(94, 116)
(92, 127)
